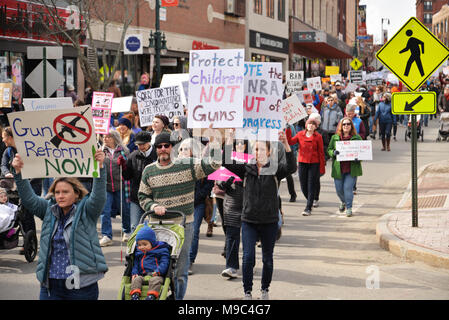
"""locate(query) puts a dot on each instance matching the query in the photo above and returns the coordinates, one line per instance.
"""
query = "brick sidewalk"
(429, 242)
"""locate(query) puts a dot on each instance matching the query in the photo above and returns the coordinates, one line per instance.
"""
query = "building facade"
(440, 23)
(425, 9)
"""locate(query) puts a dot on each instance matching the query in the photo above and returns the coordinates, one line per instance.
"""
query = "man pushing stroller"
(152, 258)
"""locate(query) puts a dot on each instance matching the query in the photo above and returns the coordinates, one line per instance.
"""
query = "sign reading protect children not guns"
(56, 143)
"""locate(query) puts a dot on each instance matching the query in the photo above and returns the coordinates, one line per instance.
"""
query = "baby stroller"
(419, 130)
(168, 231)
(443, 131)
(11, 227)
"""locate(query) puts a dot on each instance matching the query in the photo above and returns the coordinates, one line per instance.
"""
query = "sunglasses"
(176, 124)
(165, 145)
(240, 142)
(346, 124)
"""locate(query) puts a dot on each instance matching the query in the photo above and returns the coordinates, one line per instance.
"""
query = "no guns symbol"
(71, 128)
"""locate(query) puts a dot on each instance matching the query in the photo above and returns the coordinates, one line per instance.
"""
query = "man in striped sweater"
(170, 185)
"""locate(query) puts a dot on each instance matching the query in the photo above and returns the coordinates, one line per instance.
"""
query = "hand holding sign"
(17, 163)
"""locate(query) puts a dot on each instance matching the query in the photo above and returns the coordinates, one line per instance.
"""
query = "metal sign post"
(414, 142)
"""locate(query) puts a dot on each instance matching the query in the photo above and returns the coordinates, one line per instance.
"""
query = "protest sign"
(223, 174)
(101, 111)
(263, 116)
(294, 81)
(293, 110)
(176, 79)
(356, 76)
(305, 96)
(354, 149)
(56, 143)
(47, 104)
(122, 104)
(216, 88)
(241, 157)
(165, 101)
(314, 83)
(5, 95)
(331, 70)
(336, 77)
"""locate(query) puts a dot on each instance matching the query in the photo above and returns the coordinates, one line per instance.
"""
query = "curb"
(406, 250)
(403, 249)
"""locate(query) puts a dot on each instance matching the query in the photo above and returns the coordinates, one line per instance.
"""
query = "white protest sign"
(47, 104)
(122, 104)
(314, 84)
(262, 115)
(176, 79)
(294, 81)
(56, 143)
(354, 149)
(336, 77)
(293, 109)
(5, 95)
(101, 111)
(351, 87)
(305, 96)
(356, 76)
(165, 101)
(216, 88)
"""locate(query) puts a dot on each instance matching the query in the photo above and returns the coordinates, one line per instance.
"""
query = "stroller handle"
(169, 214)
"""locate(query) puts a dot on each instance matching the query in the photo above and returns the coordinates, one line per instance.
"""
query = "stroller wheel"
(30, 245)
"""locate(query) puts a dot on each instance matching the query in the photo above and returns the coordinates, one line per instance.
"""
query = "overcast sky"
(398, 11)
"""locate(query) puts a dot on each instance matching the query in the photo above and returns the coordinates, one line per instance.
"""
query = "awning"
(318, 44)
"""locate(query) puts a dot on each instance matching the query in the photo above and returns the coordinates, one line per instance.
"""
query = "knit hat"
(312, 120)
(163, 137)
(316, 117)
(143, 137)
(146, 233)
(125, 122)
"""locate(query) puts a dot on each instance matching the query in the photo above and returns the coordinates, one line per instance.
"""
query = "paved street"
(323, 256)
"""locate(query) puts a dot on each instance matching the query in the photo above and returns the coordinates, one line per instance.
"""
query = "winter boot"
(383, 144)
(388, 144)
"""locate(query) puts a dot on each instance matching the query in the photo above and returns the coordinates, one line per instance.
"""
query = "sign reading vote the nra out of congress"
(413, 54)
(414, 102)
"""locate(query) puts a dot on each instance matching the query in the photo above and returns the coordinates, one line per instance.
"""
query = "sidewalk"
(429, 242)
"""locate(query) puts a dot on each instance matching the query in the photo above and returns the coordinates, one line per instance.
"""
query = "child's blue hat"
(146, 233)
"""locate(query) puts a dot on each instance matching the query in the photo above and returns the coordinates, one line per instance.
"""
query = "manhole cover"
(428, 202)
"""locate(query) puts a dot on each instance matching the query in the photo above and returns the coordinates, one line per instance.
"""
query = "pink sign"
(223, 174)
(241, 157)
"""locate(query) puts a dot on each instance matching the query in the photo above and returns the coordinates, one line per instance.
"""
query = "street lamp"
(382, 29)
(158, 45)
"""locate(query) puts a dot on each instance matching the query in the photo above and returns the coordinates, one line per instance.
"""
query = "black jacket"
(203, 188)
(134, 168)
(260, 195)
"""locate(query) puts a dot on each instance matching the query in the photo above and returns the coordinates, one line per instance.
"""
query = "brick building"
(425, 10)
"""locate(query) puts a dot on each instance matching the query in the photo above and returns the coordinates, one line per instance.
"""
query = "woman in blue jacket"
(70, 258)
(386, 120)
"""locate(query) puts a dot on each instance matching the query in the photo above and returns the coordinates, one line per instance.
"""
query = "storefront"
(21, 26)
(264, 47)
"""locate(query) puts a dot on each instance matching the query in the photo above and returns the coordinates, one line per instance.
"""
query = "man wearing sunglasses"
(169, 184)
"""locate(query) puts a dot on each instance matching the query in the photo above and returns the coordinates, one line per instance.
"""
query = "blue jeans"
(345, 189)
(198, 219)
(182, 267)
(59, 291)
(135, 212)
(106, 224)
(426, 120)
(385, 129)
(232, 247)
(250, 234)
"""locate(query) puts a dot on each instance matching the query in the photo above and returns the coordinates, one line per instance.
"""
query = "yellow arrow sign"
(356, 64)
(414, 102)
(413, 54)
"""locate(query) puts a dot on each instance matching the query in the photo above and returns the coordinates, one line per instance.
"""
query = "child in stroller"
(152, 257)
(443, 131)
(419, 129)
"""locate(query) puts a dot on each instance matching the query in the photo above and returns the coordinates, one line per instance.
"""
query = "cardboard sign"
(223, 174)
(122, 104)
(354, 149)
(263, 116)
(331, 70)
(216, 88)
(294, 81)
(293, 110)
(101, 111)
(47, 104)
(314, 84)
(5, 95)
(166, 101)
(56, 143)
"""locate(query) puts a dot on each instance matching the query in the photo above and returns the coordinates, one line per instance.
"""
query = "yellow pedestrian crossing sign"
(413, 54)
(424, 102)
(356, 64)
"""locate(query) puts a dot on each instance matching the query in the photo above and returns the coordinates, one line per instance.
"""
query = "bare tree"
(76, 29)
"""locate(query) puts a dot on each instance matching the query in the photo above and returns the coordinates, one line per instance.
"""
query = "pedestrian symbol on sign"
(414, 46)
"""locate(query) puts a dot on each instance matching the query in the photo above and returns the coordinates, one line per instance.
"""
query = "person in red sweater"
(311, 163)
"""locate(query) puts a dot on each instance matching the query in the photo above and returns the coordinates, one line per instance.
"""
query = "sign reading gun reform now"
(56, 143)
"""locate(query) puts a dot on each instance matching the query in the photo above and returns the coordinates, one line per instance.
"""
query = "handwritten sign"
(261, 106)
(294, 81)
(223, 174)
(314, 84)
(336, 77)
(165, 101)
(56, 143)
(5, 95)
(331, 70)
(305, 96)
(216, 88)
(293, 109)
(47, 104)
(101, 111)
(354, 149)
